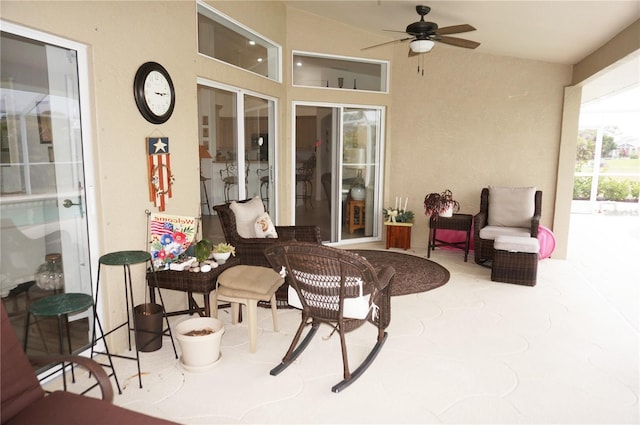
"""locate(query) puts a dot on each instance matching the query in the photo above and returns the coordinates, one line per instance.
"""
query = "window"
(315, 70)
(223, 39)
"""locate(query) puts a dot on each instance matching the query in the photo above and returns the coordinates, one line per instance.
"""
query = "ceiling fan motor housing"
(422, 29)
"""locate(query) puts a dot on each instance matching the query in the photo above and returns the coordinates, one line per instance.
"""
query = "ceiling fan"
(424, 33)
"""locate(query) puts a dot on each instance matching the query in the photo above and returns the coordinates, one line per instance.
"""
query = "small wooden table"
(398, 235)
(461, 222)
(355, 215)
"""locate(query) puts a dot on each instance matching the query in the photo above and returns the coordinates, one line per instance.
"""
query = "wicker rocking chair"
(335, 287)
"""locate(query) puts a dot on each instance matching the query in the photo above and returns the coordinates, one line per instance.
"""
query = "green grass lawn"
(621, 165)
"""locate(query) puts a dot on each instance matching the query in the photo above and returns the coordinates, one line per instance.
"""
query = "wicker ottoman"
(515, 260)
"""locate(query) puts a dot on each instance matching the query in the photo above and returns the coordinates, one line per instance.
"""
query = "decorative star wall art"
(159, 165)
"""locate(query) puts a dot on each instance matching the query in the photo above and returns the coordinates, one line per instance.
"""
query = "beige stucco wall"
(472, 119)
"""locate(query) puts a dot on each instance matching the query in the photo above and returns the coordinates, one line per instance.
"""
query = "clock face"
(157, 93)
(153, 92)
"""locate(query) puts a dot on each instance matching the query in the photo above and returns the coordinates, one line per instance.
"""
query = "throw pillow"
(264, 227)
(511, 206)
(246, 215)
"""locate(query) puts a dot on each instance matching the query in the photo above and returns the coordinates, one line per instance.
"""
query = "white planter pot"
(221, 257)
(447, 213)
(199, 352)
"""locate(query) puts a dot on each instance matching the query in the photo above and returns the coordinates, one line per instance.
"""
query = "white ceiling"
(552, 31)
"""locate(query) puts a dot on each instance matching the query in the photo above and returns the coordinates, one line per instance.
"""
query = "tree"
(586, 148)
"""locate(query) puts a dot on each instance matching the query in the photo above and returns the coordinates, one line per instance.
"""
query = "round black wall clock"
(154, 93)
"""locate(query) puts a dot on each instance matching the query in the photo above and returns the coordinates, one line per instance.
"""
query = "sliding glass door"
(237, 134)
(338, 170)
(45, 222)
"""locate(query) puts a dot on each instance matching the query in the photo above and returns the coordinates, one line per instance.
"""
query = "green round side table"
(59, 306)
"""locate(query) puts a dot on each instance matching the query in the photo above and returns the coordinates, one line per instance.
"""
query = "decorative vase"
(221, 257)
(199, 340)
(358, 193)
(358, 190)
(50, 275)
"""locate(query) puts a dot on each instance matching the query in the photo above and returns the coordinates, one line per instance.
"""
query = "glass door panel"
(42, 199)
(238, 129)
(345, 192)
(360, 168)
(217, 111)
(258, 131)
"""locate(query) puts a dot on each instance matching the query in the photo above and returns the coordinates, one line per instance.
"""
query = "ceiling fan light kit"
(423, 34)
(421, 46)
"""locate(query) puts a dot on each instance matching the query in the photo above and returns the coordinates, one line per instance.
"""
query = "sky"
(621, 110)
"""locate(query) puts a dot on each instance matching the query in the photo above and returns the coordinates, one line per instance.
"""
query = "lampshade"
(421, 46)
(204, 153)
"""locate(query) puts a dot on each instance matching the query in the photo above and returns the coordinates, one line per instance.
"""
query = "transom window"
(221, 38)
(339, 72)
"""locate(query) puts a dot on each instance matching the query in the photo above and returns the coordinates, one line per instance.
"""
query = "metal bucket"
(148, 327)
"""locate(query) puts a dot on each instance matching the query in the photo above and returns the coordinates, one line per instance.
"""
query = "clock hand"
(161, 94)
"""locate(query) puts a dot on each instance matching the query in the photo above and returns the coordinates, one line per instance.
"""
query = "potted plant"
(199, 340)
(440, 204)
(395, 215)
(202, 250)
(222, 251)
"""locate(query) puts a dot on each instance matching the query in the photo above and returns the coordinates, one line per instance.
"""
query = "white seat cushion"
(492, 232)
(354, 308)
(511, 206)
(517, 244)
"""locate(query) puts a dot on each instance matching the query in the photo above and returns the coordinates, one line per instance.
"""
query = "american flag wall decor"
(160, 176)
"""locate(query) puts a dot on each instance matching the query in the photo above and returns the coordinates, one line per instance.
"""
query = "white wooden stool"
(247, 285)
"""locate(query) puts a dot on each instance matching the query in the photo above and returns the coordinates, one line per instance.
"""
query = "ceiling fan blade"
(460, 42)
(388, 42)
(455, 29)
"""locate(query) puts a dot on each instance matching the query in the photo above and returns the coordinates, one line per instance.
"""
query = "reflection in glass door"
(44, 233)
(238, 130)
(345, 183)
(258, 131)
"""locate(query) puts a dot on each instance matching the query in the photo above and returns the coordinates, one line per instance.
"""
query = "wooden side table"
(461, 222)
(355, 215)
(399, 235)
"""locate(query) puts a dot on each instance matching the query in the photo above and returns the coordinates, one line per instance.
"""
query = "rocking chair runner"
(335, 287)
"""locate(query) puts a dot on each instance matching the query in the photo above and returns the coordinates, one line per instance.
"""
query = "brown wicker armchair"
(24, 400)
(486, 227)
(334, 287)
(250, 251)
